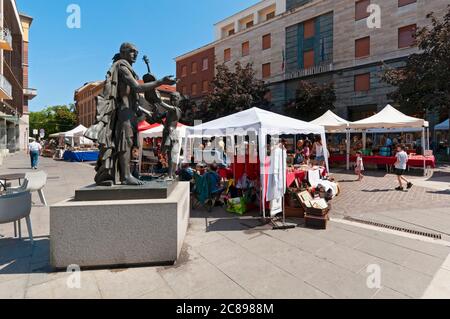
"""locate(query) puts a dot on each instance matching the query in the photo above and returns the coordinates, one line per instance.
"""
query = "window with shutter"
(266, 42)
(362, 82)
(402, 3)
(406, 36)
(308, 59)
(309, 28)
(362, 47)
(361, 9)
(266, 70)
(245, 48)
(227, 55)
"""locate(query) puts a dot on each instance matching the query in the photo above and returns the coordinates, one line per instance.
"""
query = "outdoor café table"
(11, 177)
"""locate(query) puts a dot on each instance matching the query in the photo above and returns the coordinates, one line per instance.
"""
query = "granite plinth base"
(150, 190)
(103, 234)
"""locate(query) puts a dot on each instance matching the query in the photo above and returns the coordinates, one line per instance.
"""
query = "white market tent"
(335, 124)
(332, 122)
(75, 134)
(157, 131)
(389, 118)
(444, 126)
(259, 122)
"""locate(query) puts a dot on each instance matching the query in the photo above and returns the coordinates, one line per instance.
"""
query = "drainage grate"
(400, 229)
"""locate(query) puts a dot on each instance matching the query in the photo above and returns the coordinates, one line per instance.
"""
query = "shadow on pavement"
(18, 256)
(378, 190)
(444, 192)
(236, 224)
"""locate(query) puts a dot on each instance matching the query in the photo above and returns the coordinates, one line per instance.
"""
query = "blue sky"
(62, 59)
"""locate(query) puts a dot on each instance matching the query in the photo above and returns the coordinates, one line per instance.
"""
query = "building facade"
(325, 41)
(14, 90)
(86, 104)
(195, 71)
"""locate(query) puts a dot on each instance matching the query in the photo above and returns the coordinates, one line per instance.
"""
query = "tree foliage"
(234, 91)
(424, 83)
(54, 119)
(311, 101)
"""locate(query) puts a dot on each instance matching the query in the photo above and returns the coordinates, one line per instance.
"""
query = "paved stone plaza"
(227, 257)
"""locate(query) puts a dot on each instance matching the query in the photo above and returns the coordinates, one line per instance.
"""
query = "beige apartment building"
(325, 41)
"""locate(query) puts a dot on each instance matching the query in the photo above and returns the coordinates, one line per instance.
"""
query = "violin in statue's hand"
(169, 80)
(153, 96)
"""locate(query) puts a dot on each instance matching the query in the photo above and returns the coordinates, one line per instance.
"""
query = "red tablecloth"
(417, 161)
(380, 160)
(413, 161)
(292, 176)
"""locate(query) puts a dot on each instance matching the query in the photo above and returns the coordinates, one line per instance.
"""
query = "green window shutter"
(317, 42)
(300, 39)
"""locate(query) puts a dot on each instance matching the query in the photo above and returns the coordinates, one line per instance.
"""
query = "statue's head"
(175, 98)
(129, 52)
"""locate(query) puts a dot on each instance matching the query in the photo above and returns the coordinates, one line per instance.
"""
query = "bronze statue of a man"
(119, 110)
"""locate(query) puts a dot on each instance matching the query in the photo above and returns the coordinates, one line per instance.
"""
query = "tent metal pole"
(423, 153)
(348, 148)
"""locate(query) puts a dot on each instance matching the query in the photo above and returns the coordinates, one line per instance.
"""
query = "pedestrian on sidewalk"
(359, 168)
(34, 149)
(400, 168)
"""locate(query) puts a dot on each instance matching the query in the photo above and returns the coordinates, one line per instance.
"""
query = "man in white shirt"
(400, 167)
(34, 148)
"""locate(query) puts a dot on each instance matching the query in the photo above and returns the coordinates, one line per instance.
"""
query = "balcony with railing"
(5, 39)
(317, 69)
(30, 93)
(5, 88)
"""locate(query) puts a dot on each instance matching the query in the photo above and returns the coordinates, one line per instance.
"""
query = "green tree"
(424, 83)
(311, 101)
(234, 91)
(54, 119)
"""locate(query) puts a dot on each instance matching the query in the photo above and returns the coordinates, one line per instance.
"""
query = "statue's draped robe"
(117, 121)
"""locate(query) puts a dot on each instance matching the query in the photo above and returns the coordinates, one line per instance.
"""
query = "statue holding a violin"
(125, 103)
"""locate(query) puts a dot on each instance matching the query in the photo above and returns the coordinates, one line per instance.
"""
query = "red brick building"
(195, 71)
(14, 88)
(85, 102)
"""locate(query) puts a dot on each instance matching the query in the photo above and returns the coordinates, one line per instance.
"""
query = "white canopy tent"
(389, 118)
(157, 131)
(332, 122)
(77, 134)
(261, 123)
(335, 124)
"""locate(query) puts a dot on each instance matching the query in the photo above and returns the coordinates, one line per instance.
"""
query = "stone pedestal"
(113, 233)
